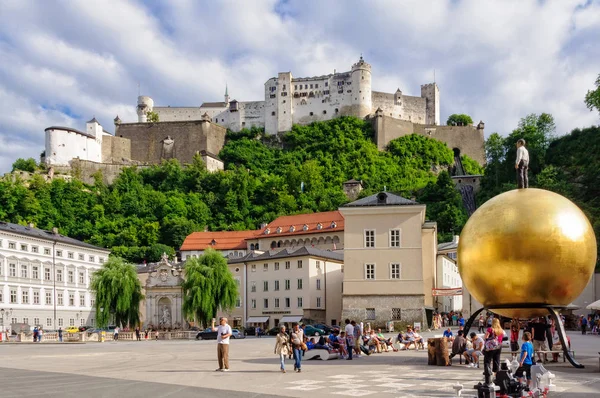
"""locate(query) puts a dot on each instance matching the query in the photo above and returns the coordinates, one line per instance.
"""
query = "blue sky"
(64, 62)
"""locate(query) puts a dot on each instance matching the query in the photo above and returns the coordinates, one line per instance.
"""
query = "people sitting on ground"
(472, 355)
(388, 342)
(448, 334)
(459, 345)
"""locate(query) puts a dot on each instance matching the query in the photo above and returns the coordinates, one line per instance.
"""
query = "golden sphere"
(527, 246)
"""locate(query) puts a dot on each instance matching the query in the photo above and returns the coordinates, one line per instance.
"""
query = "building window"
(318, 264)
(81, 257)
(11, 245)
(253, 303)
(101, 260)
(48, 298)
(265, 303)
(276, 288)
(13, 296)
(300, 284)
(265, 267)
(59, 275)
(318, 284)
(71, 322)
(35, 272)
(370, 314)
(311, 113)
(82, 300)
(253, 268)
(287, 284)
(81, 277)
(369, 271)
(287, 302)
(394, 271)
(24, 248)
(299, 264)
(276, 305)
(276, 266)
(265, 286)
(238, 302)
(71, 276)
(318, 302)
(24, 297)
(60, 322)
(287, 265)
(253, 287)
(46, 251)
(370, 238)
(93, 302)
(12, 270)
(82, 322)
(26, 321)
(24, 271)
(47, 274)
(1, 298)
(394, 238)
(70, 254)
(13, 320)
(36, 321)
(59, 253)
(48, 322)
(34, 249)
(59, 298)
(92, 259)
(300, 302)
(36, 297)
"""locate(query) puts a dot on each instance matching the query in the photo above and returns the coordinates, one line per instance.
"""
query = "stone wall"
(411, 308)
(115, 149)
(189, 138)
(85, 170)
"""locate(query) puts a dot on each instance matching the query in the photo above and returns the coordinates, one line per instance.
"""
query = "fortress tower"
(145, 104)
(361, 88)
(431, 93)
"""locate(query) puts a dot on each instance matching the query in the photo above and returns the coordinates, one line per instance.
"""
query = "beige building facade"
(390, 256)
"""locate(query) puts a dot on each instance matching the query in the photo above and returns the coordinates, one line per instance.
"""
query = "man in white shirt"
(223, 335)
(349, 329)
(474, 353)
(522, 164)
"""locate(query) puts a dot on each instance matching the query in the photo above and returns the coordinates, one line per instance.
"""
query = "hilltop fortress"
(182, 132)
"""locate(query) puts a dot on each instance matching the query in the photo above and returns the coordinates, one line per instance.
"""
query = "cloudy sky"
(64, 62)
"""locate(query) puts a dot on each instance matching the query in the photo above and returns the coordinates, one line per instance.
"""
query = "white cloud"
(64, 61)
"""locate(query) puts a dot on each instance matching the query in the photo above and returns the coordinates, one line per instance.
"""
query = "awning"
(594, 306)
(290, 319)
(257, 319)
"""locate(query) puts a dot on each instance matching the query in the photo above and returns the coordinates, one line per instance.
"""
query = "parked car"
(207, 334)
(236, 334)
(85, 328)
(273, 331)
(310, 330)
(328, 329)
(72, 329)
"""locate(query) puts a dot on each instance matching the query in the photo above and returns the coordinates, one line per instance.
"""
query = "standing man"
(116, 334)
(223, 335)
(297, 342)
(539, 338)
(60, 332)
(349, 329)
(522, 164)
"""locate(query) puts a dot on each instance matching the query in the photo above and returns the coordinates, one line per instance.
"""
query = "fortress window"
(316, 86)
(273, 113)
(284, 94)
(272, 88)
(341, 91)
(311, 86)
(324, 112)
(326, 92)
(243, 124)
(336, 110)
(363, 78)
(273, 96)
(283, 88)
(283, 102)
(326, 84)
(340, 83)
(305, 86)
(311, 113)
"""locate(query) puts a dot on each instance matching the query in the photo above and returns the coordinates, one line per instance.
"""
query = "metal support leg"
(563, 338)
(472, 319)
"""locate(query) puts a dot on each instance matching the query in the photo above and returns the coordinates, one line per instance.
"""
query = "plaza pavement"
(186, 369)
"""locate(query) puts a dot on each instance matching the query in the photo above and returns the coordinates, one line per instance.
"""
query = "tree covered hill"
(151, 210)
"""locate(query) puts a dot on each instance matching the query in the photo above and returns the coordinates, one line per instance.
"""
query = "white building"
(64, 144)
(302, 100)
(45, 278)
(449, 277)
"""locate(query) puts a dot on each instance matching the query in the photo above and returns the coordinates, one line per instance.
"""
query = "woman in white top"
(282, 347)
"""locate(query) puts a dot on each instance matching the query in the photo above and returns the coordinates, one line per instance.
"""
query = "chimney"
(31, 225)
(455, 239)
(206, 228)
(55, 231)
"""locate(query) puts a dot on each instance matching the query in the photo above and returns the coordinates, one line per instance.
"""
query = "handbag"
(303, 347)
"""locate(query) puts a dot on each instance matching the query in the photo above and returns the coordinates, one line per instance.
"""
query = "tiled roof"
(286, 253)
(48, 235)
(302, 224)
(218, 240)
(69, 129)
(213, 105)
(382, 199)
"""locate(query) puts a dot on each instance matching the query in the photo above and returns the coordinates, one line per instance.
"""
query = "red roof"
(302, 224)
(220, 240)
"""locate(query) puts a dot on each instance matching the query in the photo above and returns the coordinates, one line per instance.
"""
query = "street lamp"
(4, 312)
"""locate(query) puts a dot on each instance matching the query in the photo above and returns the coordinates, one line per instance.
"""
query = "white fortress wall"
(178, 114)
(63, 144)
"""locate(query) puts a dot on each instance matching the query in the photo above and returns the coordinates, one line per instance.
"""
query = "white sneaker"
(225, 370)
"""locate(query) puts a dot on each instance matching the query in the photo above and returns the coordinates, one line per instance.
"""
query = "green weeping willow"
(118, 293)
(208, 287)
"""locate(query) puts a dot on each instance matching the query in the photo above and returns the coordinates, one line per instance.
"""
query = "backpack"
(492, 343)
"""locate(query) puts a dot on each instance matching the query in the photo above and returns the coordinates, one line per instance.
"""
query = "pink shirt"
(500, 337)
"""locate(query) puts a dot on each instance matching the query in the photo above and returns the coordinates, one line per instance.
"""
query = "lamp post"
(4, 312)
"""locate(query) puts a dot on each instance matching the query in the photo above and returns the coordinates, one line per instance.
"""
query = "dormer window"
(292, 228)
(278, 230)
(305, 227)
(333, 224)
(267, 231)
(213, 242)
(319, 226)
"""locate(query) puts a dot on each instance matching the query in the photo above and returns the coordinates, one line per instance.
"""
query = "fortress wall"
(176, 114)
(189, 138)
(85, 170)
(114, 149)
(414, 109)
(468, 139)
(388, 128)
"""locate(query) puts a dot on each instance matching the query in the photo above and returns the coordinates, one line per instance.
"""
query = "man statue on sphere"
(522, 164)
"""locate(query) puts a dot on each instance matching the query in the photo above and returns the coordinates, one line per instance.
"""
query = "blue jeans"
(282, 360)
(298, 358)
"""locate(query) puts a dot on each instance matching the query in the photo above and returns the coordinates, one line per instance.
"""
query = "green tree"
(25, 165)
(118, 293)
(152, 117)
(459, 119)
(471, 166)
(208, 287)
(592, 98)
